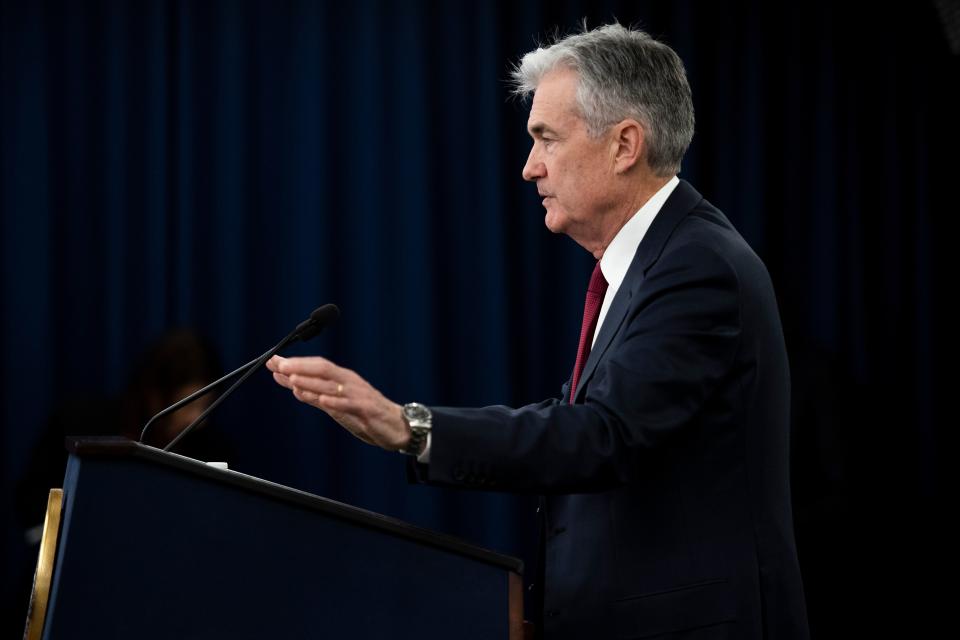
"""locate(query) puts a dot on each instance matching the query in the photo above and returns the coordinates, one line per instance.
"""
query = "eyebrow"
(539, 128)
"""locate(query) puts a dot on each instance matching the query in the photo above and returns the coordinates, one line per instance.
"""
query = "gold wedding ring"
(339, 389)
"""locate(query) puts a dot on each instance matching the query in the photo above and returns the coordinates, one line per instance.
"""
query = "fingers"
(273, 364)
(319, 386)
(344, 396)
(306, 396)
(312, 366)
(282, 380)
(314, 374)
(339, 404)
(329, 404)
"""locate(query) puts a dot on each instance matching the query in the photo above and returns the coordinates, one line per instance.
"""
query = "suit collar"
(620, 252)
(681, 202)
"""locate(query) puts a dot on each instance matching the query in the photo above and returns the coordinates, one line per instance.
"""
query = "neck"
(638, 196)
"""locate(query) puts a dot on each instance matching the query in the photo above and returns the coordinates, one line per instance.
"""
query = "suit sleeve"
(679, 341)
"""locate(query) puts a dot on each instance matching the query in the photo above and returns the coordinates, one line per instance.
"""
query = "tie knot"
(598, 284)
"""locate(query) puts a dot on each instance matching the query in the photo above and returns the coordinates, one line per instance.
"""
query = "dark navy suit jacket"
(666, 495)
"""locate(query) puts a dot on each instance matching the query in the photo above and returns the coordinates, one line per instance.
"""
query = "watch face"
(415, 412)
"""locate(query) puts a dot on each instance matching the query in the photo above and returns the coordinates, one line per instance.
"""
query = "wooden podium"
(156, 545)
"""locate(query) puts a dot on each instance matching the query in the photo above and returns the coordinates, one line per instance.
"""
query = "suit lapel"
(683, 199)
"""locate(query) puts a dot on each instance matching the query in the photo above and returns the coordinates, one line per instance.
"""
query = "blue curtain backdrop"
(230, 166)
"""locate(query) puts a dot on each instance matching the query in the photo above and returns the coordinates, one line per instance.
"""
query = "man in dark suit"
(664, 465)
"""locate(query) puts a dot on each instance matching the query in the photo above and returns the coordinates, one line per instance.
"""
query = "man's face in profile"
(572, 170)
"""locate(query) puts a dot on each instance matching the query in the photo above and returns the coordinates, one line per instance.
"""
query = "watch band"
(420, 420)
(418, 442)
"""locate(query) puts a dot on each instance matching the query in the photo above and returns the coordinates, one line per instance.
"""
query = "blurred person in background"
(174, 366)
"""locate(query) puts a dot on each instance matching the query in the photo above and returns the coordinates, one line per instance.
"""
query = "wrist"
(405, 431)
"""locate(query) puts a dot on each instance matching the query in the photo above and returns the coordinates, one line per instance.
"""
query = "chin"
(554, 222)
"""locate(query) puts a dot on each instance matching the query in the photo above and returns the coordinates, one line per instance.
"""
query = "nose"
(534, 168)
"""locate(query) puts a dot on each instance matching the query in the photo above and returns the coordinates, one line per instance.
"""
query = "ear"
(628, 145)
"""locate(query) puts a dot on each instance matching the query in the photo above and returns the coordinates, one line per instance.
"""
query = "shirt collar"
(619, 253)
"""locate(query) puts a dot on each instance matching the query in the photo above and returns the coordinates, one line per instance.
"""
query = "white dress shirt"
(619, 253)
(615, 261)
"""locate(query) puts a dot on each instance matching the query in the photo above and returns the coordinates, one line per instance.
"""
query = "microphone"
(306, 330)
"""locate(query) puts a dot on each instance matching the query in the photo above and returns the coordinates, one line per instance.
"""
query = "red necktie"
(591, 312)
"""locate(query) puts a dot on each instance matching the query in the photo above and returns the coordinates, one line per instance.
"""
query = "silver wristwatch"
(419, 419)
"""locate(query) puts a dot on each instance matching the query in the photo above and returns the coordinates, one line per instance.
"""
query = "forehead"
(555, 101)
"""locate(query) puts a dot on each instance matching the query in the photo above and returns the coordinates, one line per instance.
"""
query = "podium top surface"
(117, 447)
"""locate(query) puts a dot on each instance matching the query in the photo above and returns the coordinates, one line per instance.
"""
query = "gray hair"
(623, 73)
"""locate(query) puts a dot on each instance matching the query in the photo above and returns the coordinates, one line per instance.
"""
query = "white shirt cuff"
(424, 457)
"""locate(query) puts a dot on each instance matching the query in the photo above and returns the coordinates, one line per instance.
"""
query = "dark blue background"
(231, 166)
